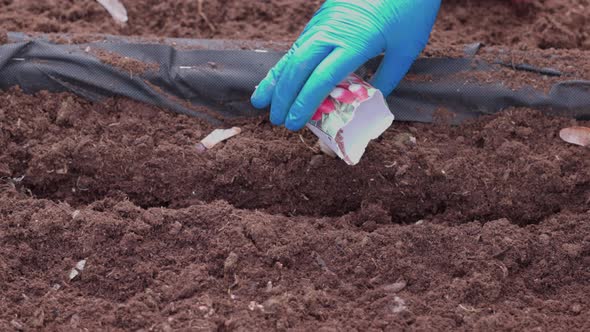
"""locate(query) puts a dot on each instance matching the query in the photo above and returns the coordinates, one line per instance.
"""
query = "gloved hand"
(342, 36)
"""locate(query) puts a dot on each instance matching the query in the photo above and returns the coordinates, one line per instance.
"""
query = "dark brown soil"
(483, 226)
(3, 37)
(542, 23)
(129, 65)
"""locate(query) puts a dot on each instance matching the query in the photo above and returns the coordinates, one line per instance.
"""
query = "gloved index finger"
(262, 96)
(331, 71)
(296, 72)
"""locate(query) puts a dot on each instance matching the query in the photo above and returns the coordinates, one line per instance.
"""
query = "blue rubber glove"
(342, 36)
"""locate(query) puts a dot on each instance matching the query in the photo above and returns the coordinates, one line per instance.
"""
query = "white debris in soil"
(255, 305)
(576, 135)
(216, 137)
(77, 269)
(80, 265)
(208, 312)
(395, 287)
(73, 274)
(399, 305)
(116, 9)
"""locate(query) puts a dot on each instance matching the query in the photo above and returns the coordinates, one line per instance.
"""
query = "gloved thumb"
(392, 70)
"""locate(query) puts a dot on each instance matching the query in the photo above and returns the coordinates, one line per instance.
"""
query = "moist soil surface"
(523, 24)
(482, 226)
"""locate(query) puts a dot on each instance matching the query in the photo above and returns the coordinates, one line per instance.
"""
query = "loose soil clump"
(128, 65)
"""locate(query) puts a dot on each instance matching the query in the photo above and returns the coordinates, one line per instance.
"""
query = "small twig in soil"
(390, 165)
(320, 261)
(307, 145)
(235, 283)
(503, 268)
(232, 286)
(468, 309)
(203, 16)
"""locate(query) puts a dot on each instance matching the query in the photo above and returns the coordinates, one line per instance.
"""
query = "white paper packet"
(354, 114)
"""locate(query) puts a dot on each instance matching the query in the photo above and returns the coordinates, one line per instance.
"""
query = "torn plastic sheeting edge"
(226, 86)
(35, 66)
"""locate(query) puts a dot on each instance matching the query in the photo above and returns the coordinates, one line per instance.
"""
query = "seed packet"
(354, 114)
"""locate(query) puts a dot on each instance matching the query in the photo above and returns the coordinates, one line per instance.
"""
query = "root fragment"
(203, 16)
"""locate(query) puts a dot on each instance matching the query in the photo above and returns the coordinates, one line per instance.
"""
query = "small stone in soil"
(253, 305)
(271, 305)
(175, 228)
(229, 266)
(399, 305)
(316, 161)
(571, 249)
(544, 238)
(201, 148)
(576, 308)
(17, 325)
(75, 321)
(395, 287)
(404, 139)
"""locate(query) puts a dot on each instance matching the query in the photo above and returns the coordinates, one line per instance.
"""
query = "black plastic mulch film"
(221, 75)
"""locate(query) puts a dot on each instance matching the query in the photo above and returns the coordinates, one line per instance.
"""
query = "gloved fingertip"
(262, 96)
(277, 113)
(295, 121)
(276, 121)
(294, 125)
(386, 88)
(385, 80)
(391, 71)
